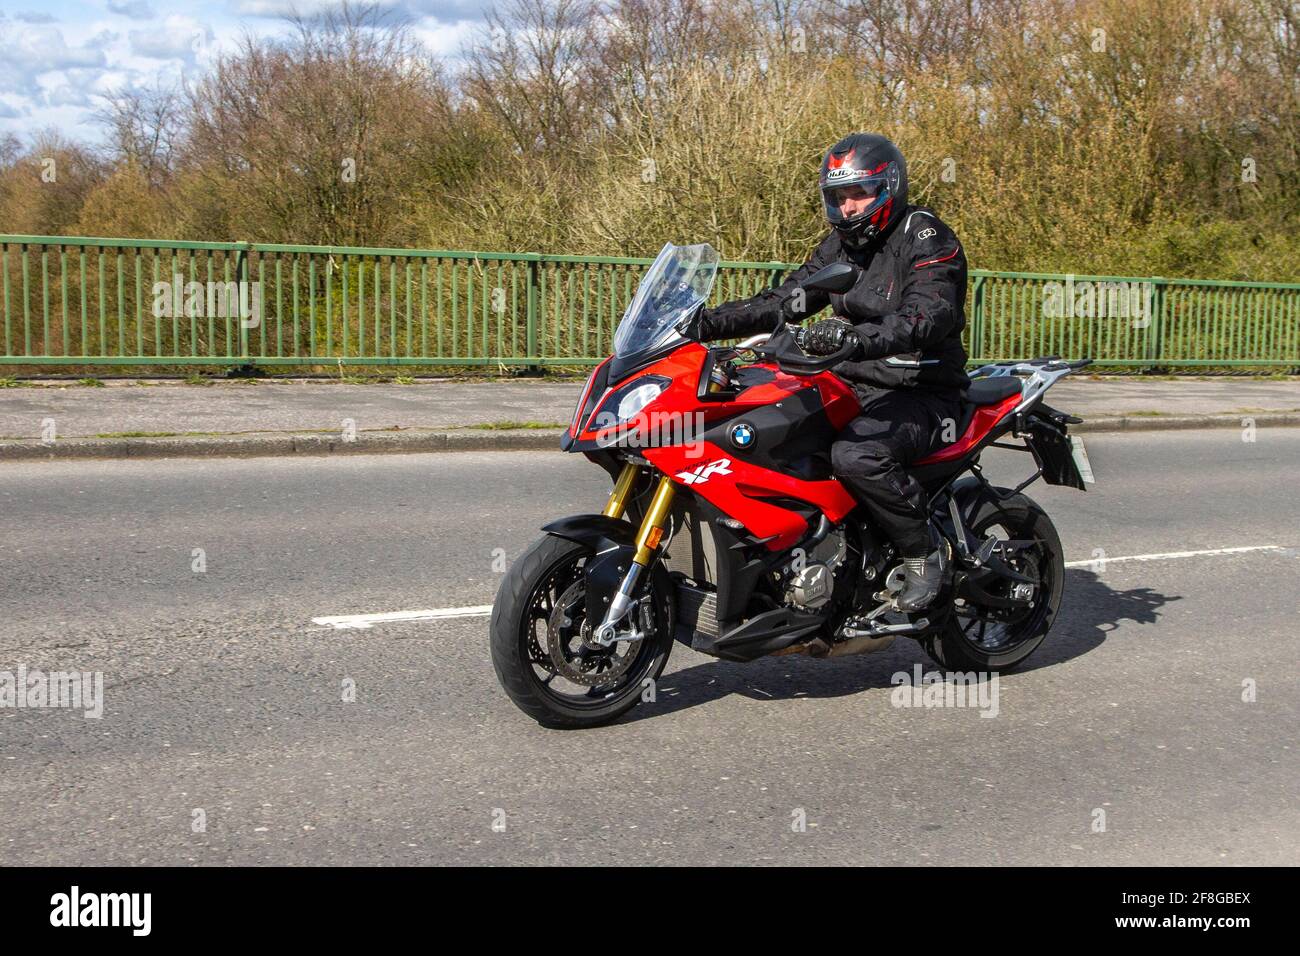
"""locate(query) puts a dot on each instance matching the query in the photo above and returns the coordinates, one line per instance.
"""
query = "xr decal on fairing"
(698, 476)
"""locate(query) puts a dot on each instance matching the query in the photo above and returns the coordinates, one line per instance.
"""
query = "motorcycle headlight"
(637, 399)
(624, 404)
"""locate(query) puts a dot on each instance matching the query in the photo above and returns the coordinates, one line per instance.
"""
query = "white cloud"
(135, 9)
(66, 94)
(178, 38)
(444, 11)
(50, 73)
(445, 40)
(28, 53)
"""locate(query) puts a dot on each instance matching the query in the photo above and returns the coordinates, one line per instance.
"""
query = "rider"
(906, 311)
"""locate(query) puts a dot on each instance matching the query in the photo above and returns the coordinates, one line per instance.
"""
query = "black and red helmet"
(864, 186)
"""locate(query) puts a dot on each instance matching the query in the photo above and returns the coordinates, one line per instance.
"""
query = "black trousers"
(897, 427)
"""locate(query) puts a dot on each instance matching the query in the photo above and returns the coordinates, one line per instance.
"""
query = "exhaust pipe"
(854, 645)
(860, 645)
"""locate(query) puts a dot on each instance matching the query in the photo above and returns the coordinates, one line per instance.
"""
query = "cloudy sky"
(56, 55)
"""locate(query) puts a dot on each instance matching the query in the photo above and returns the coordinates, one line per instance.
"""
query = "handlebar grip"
(847, 349)
(811, 365)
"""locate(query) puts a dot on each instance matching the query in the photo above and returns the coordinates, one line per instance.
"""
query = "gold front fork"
(652, 528)
(617, 504)
(648, 537)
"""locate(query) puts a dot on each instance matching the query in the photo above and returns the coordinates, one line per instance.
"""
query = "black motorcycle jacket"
(907, 307)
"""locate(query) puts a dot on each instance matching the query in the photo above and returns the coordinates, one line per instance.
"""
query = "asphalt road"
(222, 696)
(222, 407)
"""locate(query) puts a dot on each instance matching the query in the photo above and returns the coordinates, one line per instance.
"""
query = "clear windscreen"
(677, 283)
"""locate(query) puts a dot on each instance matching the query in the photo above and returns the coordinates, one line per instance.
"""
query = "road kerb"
(264, 444)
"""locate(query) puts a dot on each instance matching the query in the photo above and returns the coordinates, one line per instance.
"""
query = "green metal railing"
(114, 302)
(1134, 322)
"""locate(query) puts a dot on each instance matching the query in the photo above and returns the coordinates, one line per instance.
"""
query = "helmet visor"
(854, 201)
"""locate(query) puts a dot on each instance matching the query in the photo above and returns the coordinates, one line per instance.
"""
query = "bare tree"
(317, 136)
(144, 126)
(536, 67)
(43, 188)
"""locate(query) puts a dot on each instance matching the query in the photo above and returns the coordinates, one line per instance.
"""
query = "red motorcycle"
(726, 530)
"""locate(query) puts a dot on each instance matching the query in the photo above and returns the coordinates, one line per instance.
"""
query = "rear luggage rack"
(1039, 375)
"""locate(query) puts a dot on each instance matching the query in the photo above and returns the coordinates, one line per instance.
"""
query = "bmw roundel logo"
(742, 435)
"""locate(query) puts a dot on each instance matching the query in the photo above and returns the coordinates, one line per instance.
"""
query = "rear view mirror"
(836, 277)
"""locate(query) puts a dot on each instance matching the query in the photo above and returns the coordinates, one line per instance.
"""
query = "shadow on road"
(1090, 611)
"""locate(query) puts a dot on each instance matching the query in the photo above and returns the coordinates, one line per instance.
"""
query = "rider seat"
(984, 391)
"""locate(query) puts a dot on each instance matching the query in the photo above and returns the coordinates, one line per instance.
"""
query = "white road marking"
(1170, 555)
(363, 621)
(359, 621)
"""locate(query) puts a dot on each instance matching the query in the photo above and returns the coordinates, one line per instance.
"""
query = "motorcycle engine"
(810, 578)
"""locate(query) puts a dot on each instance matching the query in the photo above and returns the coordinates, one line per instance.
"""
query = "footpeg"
(880, 630)
(887, 604)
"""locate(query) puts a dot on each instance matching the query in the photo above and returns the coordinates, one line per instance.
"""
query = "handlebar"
(752, 342)
(784, 347)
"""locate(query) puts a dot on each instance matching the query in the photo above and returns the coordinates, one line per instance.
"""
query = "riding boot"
(922, 581)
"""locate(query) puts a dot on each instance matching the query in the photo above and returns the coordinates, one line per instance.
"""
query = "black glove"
(697, 327)
(826, 337)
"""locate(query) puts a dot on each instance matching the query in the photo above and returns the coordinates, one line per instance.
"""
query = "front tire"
(970, 643)
(538, 648)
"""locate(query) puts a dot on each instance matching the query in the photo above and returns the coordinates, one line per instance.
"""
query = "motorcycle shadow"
(1090, 611)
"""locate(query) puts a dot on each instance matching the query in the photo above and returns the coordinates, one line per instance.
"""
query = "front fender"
(597, 532)
(614, 544)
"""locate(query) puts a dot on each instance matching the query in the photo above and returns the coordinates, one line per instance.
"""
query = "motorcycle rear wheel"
(975, 642)
(541, 657)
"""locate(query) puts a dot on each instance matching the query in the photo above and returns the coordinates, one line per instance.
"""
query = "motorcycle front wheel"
(542, 650)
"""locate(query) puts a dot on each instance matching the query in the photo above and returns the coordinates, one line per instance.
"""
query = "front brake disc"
(585, 664)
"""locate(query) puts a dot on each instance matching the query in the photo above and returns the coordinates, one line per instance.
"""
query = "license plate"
(1080, 455)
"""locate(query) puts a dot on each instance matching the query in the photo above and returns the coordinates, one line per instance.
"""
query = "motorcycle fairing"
(745, 628)
(592, 393)
(836, 398)
(982, 423)
(792, 436)
(738, 488)
(681, 368)
(684, 368)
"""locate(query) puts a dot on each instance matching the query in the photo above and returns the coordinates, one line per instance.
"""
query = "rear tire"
(955, 647)
(550, 565)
